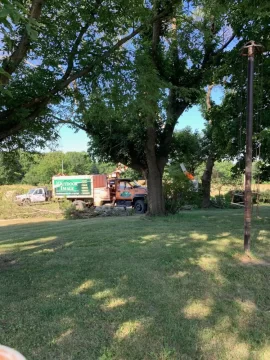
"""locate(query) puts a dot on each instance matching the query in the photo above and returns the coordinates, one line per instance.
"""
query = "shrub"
(178, 192)
(222, 201)
(265, 196)
(68, 208)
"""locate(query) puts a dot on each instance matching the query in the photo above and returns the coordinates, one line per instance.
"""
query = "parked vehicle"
(36, 195)
(98, 190)
(90, 190)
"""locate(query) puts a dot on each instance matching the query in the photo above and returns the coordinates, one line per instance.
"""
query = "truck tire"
(26, 202)
(139, 206)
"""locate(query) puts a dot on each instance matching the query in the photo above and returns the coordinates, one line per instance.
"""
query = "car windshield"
(31, 191)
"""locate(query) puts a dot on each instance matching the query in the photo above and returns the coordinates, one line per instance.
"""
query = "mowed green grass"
(136, 288)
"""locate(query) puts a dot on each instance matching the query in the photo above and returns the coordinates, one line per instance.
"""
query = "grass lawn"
(134, 288)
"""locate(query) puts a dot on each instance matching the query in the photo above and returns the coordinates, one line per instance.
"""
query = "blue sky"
(71, 141)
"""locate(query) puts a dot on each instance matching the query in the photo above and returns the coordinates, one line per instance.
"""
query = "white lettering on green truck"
(69, 187)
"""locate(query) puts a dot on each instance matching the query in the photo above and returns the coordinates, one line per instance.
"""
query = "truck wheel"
(139, 206)
(26, 202)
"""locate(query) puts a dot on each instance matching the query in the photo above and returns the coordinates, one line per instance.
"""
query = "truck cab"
(125, 192)
(36, 195)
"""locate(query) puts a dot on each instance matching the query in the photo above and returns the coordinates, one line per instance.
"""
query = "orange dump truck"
(99, 190)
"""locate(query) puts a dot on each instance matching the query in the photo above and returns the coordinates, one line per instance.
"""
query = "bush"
(179, 192)
(222, 201)
(67, 207)
(265, 196)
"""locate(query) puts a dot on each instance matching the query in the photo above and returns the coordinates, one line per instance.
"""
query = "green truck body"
(77, 186)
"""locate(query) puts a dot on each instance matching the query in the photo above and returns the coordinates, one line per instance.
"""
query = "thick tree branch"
(11, 63)
(63, 83)
(156, 34)
(114, 47)
(85, 71)
(174, 111)
(68, 122)
(77, 42)
(37, 105)
(4, 134)
(156, 30)
(74, 51)
(209, 54)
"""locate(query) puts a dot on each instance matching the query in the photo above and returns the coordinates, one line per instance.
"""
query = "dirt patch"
(247, 260)
(25, 221)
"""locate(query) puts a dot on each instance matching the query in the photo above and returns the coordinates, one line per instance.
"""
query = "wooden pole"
(248, 167)
(249, 50)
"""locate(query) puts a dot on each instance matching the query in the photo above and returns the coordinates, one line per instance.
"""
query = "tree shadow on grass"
(171, 288)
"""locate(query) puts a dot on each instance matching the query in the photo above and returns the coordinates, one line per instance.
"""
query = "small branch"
(227, 43)
(69, 122)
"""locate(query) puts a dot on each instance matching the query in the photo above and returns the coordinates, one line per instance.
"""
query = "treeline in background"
(38, 168)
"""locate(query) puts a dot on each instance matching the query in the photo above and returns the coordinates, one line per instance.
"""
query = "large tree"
(133, 114)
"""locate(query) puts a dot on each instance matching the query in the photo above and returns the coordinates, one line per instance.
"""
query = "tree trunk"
(206, 182)
(207, 175)
(155, 198)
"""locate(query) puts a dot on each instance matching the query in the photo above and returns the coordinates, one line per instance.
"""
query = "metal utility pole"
(249, 50)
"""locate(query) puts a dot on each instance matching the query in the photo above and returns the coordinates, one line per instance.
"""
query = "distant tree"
(104, 168)
(94, 169)
(223, 176)
(28, 160)
(261, 171)
(38, 168)
(132, 174)
(77, 163)
(11, 170)
(49, 164)
(187, 149)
